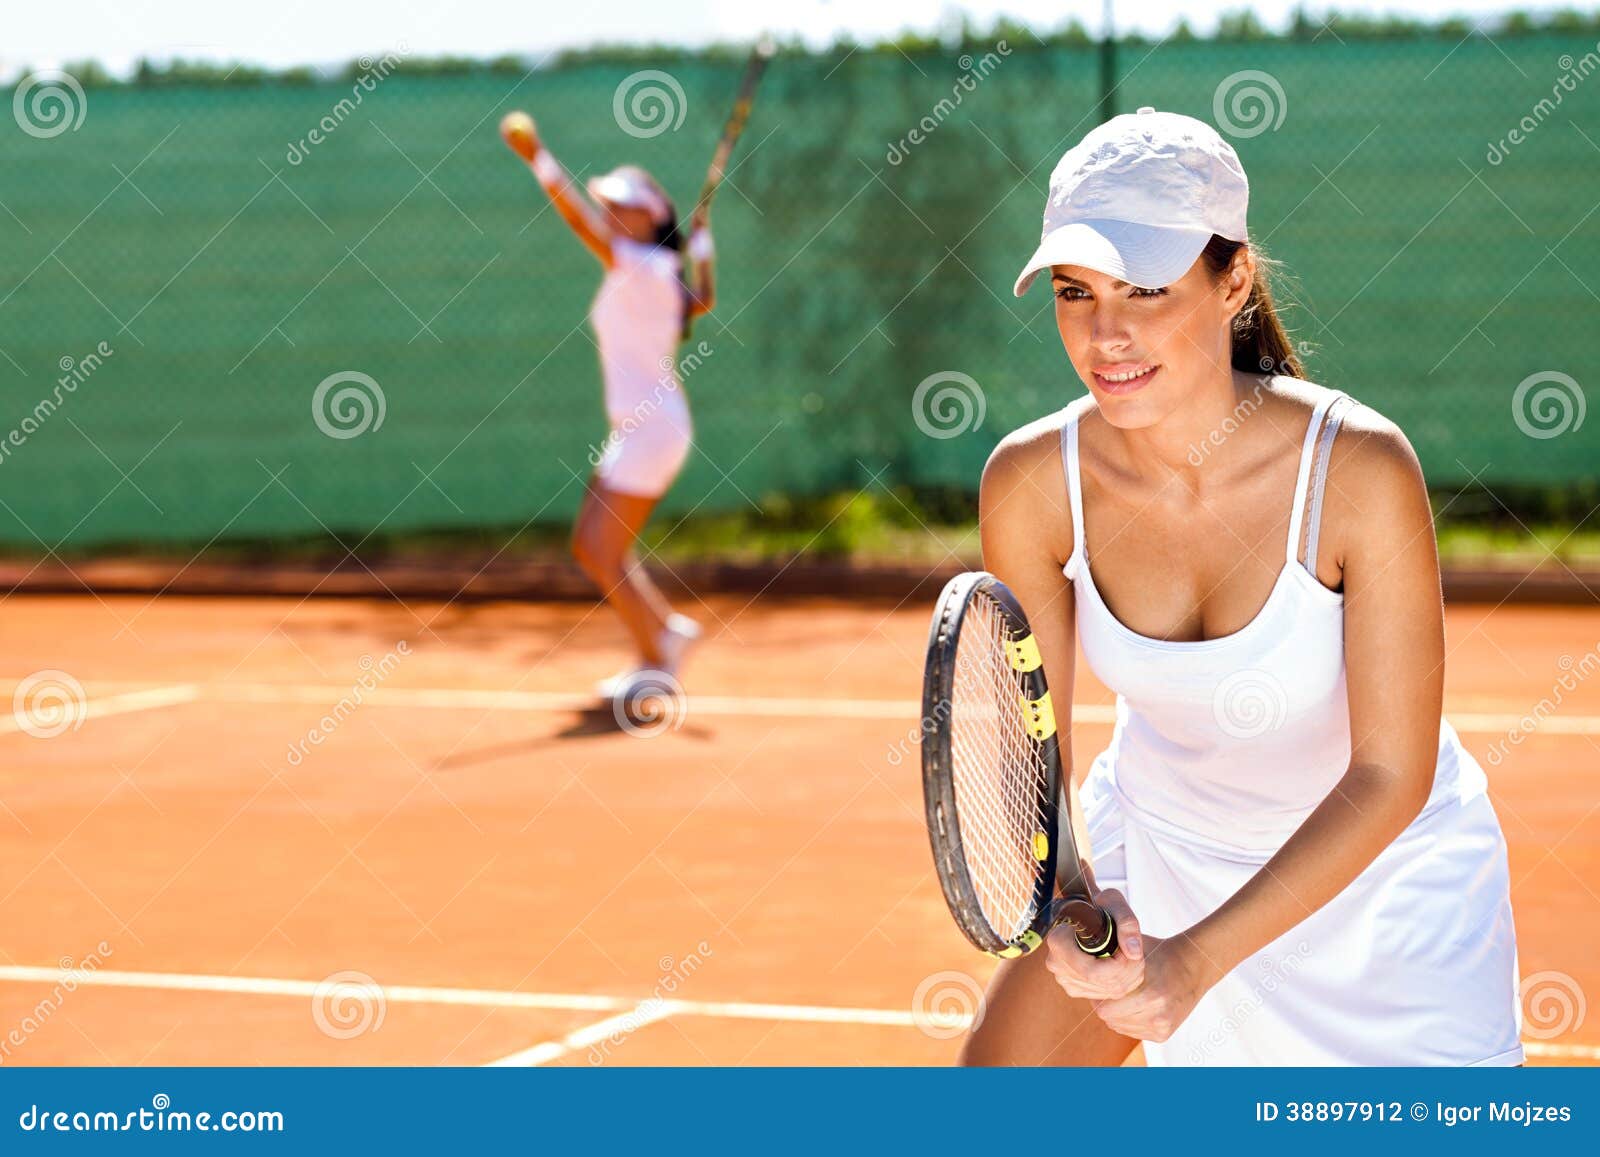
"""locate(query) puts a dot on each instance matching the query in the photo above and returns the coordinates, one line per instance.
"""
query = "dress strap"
(1069, 462)
(1319, 475)
(1292, 552)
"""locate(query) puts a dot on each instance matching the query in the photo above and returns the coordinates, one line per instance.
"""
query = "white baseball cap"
(1138, 199)
(628, 185)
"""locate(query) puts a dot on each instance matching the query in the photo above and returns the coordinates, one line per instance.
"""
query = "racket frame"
(938, 769)
(733, 128)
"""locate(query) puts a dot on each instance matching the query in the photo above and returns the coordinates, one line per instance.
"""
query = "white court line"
(1562, 1052)
(489, 699)
(483, 998)
(145, 700)
(643, 1013)
(632, 1006)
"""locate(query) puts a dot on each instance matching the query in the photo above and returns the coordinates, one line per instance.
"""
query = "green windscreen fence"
(249, 312)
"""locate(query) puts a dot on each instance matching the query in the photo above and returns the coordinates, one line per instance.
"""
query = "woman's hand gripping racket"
(991, 778)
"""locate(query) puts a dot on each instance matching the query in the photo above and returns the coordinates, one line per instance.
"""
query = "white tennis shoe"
(677, 639)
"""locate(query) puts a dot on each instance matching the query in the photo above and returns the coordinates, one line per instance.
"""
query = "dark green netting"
(409, 246)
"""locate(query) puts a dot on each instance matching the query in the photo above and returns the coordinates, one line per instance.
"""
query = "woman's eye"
(1075, 293)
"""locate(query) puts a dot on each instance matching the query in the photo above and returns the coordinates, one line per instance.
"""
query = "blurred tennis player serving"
(642, 309)
(1299, 854)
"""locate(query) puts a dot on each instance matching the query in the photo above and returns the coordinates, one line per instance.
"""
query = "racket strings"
(1001, 778)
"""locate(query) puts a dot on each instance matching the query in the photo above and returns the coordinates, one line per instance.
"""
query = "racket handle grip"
(1093, 926)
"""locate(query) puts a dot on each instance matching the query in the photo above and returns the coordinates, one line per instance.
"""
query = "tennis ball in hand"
(520, 134)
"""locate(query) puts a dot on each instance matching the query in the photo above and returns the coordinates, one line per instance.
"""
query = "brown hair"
(1261, 345)
(670, 237)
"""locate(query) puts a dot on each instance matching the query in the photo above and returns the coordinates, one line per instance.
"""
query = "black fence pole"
(1108, 65)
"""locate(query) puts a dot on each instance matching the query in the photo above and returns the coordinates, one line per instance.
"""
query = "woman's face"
(632, 223)
(1142, 351)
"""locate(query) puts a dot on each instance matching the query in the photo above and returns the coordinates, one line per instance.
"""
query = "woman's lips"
(1124, 378)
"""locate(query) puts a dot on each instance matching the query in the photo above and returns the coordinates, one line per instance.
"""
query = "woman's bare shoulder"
(1375, 494)
(1025, 481)
(1368, 440)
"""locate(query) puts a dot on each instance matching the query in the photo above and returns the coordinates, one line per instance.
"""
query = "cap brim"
(617, 190)
(1149, 256)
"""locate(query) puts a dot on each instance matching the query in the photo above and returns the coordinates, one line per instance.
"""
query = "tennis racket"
(734, 127)
(991, 779)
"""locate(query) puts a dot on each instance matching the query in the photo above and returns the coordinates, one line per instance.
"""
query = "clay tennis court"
(472, 867)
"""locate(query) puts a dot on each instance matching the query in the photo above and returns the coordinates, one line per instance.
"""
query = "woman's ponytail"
(1261, 345)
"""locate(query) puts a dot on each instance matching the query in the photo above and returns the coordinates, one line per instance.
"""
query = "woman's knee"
(601, 565)
(1026, 1019)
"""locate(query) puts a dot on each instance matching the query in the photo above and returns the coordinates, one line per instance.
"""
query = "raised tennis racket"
(991, 779)
(734, 126)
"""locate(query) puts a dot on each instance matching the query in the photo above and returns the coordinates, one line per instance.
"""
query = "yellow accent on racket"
(1041, 717)
(1024, 654)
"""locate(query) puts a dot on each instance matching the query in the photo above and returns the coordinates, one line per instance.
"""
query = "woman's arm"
(523, 139)
(702, 285)
(1394, 660)
(1025, 522)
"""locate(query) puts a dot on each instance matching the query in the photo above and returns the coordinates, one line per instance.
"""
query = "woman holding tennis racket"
(1299, 854)
(642, 310)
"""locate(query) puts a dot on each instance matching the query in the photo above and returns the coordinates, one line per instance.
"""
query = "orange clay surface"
(474, 866)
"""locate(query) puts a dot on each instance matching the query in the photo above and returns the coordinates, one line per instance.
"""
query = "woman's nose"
(1108, 327)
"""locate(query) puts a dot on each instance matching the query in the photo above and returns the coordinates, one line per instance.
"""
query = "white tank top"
(1221, 749)
(638, 317)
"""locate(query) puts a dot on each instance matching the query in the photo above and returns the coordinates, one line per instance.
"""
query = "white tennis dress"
(637, 317)
(1222, 748)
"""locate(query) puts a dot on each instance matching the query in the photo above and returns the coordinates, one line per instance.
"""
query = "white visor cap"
(1138, 199)
(629, 187)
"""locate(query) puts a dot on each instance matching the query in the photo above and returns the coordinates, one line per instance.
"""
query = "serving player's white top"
(1222, 748)
(637, 318)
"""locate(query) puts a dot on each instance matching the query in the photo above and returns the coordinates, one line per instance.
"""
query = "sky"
(323, 32)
